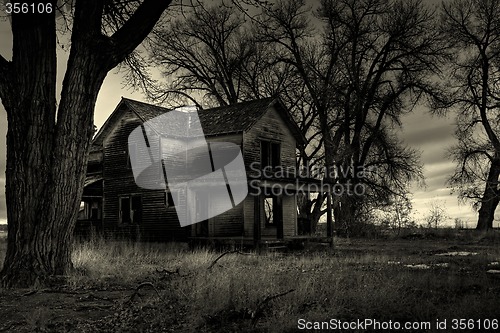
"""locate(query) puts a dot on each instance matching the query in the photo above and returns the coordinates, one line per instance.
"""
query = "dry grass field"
(143, 287)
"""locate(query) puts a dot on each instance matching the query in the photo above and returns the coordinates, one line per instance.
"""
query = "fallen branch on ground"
(167, 272)
(222, 255)
(262, 305)
(144, 284)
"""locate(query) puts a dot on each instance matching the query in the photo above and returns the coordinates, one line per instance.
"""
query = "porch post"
(329, 222)
(256, 220)
(278, 216)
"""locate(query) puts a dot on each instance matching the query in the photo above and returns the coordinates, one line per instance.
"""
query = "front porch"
(90, 215)
(266, 243)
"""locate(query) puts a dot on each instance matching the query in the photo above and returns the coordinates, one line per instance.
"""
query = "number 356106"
(28, 8)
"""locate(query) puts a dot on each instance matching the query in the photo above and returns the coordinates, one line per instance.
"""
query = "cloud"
(430, 134)
(423, 201)
(433, 136)
(420, 127)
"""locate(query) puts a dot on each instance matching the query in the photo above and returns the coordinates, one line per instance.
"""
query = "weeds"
(222, 292)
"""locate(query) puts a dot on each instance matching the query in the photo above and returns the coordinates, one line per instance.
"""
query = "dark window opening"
(94, 168)
(270, 154)
(169, 200)
(131, 209)
(94, 211)
(125, 216)
(90, 210)
(131, 153)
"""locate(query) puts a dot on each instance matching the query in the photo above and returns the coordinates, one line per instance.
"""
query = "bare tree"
(373, 62)
(459, 223)
(348, 72)
(397, 214)
(472, 28)
(211, 53)
(47, 142)
(436, 216)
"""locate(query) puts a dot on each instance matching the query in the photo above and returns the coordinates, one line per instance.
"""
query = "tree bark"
(46, 160)
(310, 212)
(47, 151)
(490, 199)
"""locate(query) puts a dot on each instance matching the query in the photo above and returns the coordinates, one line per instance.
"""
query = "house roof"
(144, 110)
(235, 118)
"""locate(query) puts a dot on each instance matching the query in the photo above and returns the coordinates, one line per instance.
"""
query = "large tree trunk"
(47, 150)
(310, 212)
(30, 108)
(46, 161)
(490, 198)
(344, 213)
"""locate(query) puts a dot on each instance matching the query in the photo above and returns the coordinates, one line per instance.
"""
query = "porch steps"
(274, 245)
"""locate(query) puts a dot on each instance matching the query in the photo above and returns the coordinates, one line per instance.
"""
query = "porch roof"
(91, 179)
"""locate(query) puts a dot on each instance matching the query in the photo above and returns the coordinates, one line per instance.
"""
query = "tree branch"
(5, 71)
(222, 255)
(138, 26)
(4, 67)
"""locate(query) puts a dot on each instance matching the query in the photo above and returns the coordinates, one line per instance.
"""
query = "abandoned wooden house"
(266, 133)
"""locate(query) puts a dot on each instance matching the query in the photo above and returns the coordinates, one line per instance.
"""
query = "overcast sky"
(432, 135)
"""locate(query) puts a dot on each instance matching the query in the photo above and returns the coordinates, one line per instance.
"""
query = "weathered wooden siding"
(248, 216)
(233, 138)
(158, 222)
(229, 223)
(271, 127)
(289, 215)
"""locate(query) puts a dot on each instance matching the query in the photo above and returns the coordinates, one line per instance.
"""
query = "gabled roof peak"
(227, 119)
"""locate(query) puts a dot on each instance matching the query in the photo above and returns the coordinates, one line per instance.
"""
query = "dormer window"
(270, 154)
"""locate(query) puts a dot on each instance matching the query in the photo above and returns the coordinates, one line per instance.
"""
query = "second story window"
(270, 154)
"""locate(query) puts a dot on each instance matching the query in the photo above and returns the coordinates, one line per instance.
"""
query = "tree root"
(142, 285)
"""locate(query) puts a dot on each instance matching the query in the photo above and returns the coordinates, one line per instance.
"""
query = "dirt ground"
(90, 310)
